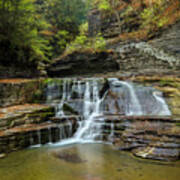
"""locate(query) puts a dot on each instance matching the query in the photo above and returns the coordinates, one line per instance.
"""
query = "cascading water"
(91, 110)
(135, 107)
(59, 109)
(87, 99)
(164, 110)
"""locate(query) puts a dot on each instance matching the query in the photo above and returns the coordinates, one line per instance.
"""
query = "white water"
(164, 107)
(91, 110)
(59, 110)
(89, 130)
(92, 101)
(135, 106)
(50, 135)
(111, 136)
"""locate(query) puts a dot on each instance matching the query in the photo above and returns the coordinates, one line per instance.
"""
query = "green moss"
(42, 115)
(69, 109)
(38, 96)
(169, 83)
(52, 80)
(47, 81)
(178, 124)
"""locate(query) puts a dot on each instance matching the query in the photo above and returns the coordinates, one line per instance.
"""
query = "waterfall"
(79, 89)
(135, 107)
(49, 134)
(88, 98)
(91, 110)
(112, 132)
(31, 140)
(59, 109)
(39, 137)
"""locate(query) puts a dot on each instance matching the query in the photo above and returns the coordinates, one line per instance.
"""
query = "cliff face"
(134, 19)
(83, 63)
(146, 36)
(142, 36)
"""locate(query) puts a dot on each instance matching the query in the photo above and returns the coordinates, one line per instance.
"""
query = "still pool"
(83, 162)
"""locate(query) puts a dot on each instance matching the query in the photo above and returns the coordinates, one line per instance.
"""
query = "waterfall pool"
(83, 162)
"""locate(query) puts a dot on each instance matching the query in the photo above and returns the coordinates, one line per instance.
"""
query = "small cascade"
(91, 110)
(39, 137)
(136, 100)
(60, 132)
(134, 104)
(31, 140)
(70, 128)
(52, 92)
(50, 135)
(164, 108)
(59, 109)
(111, 136)
(79, 89)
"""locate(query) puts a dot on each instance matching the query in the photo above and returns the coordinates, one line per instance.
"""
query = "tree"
(19, 39)
(65, 16)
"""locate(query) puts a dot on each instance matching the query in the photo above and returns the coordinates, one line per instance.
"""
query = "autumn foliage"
(152, 16)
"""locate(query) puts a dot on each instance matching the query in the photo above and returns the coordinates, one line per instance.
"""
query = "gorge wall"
(135, 53)
(133, 48)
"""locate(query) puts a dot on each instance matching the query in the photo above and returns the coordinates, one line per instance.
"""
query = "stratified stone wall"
(83, 63)
(162, 54)
(14, 92)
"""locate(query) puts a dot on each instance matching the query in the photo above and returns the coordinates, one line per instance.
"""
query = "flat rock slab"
(26, 128)
(27, 135)
(157, 153)
(14, 81)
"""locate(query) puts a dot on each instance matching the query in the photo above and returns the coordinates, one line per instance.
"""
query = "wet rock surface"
(147, 137)
(23, 136)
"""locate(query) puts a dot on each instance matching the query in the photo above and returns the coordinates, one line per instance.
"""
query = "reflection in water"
(83, 162)
(94, 160)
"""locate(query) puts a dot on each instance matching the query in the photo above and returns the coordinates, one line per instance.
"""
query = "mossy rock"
(68, 109)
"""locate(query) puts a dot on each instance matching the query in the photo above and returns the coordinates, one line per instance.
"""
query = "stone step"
(24, 114)
(117, 118)
(165, 154)
(33, 134)
(62, 119)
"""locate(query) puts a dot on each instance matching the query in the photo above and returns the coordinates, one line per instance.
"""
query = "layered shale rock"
(147, 137)
(83, 63)
(31, 124)
(20, 91)
(24, 114)
(132, 116)
(140, 50)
